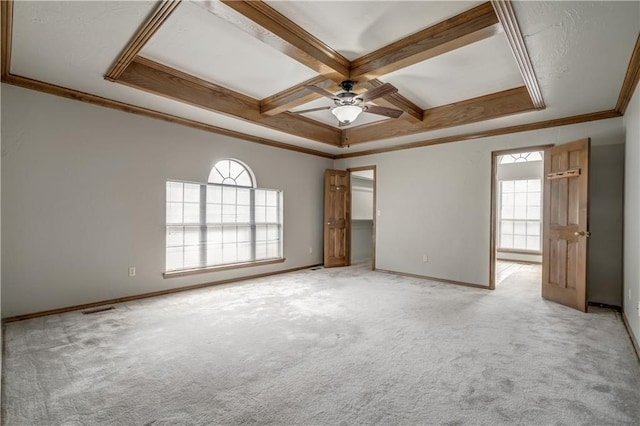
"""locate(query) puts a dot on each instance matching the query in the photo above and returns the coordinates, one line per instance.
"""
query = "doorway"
(363, 217)
(517, 215)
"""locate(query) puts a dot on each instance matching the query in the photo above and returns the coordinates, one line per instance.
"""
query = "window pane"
(214, 194)
(506, 241)
(191, 213)
(533, 243)
(214, 213)
(244, 179)
(520, 212)
(214, 254)
(191, 236)
(272, 232)
(174, 191)
(191, 256)
(261, 251)
(235, 169)
(214, 235)
(273, 249)
(272, 198)
(229, 213)
(244, 214)
(191, 193)
(533, 228)
(261, 197)
(533, 185)
(223, 168)
(507, 211)
(244, 197)
(507, 199)
(174, 212)
(261, 214)
(520, 186)
(533, 199)
(533, 213)
(519, 242)
(506, 226)
(174, 236)
(272, 214)
(507, 186)
(244, 234)
(229, 253)
(519, 228)
(229, 234)
(229, 195)
(520, 199)
(261, 233)
(244, 252)
(174, 258)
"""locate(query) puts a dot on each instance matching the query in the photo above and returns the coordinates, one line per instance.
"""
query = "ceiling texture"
(463, 69)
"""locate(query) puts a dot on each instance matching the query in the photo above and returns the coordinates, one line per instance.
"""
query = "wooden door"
(566, 224)
(337, 220)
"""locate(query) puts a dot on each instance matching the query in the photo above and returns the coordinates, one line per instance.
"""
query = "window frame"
(204, 225)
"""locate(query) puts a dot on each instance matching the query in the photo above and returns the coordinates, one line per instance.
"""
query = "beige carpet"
(342, 346)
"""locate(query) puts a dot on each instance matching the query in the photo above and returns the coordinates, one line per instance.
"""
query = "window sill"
(533, 252)
(186, 272)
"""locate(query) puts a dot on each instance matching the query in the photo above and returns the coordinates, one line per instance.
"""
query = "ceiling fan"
(349, 105)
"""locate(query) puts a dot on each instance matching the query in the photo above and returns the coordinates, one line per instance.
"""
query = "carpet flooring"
(338, 346)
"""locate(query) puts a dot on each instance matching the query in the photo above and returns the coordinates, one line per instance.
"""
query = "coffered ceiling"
(462, 69)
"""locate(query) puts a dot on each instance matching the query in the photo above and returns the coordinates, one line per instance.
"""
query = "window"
(522, 157)
(225, 222)
(520, 224)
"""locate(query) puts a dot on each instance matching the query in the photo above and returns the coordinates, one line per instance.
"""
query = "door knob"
(582, 234)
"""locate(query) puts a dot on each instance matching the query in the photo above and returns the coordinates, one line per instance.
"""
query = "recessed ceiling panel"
(355, 28)
(199, 43)
(481, 68)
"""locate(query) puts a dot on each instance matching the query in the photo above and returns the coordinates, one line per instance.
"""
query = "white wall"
(436, 200)
(631, 290)
(83, 191)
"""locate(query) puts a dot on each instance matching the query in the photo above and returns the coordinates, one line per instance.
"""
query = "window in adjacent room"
(520, 202)
(225, 222)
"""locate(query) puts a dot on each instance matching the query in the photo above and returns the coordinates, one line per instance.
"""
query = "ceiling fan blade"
(384, 90)
(387, 112)
(304, 111)
(321, 91)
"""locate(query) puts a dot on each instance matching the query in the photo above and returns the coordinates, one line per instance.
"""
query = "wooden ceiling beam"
(170, 83)
(466, 28)
(148, 28)
(507, 17)
(296, 96)
(482, 108)
(271, 27)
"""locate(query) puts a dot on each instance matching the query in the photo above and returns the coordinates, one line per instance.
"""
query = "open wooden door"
(337, 220)
(566, 224)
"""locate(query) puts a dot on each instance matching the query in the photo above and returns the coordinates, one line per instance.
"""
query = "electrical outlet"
(132, 271)
(379, 213)
(310, 250)
(629, 294)
(425, 258)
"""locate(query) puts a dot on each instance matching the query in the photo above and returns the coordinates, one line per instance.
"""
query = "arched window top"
(233, 173)
(522, 157)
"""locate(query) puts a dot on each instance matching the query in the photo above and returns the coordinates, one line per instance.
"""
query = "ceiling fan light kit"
(349, 105)
(346, 114)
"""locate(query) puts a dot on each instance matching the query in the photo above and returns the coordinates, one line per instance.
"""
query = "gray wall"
(606, 192)
(631, 290)
(436, 200)
(362, 217)
(83, 192)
